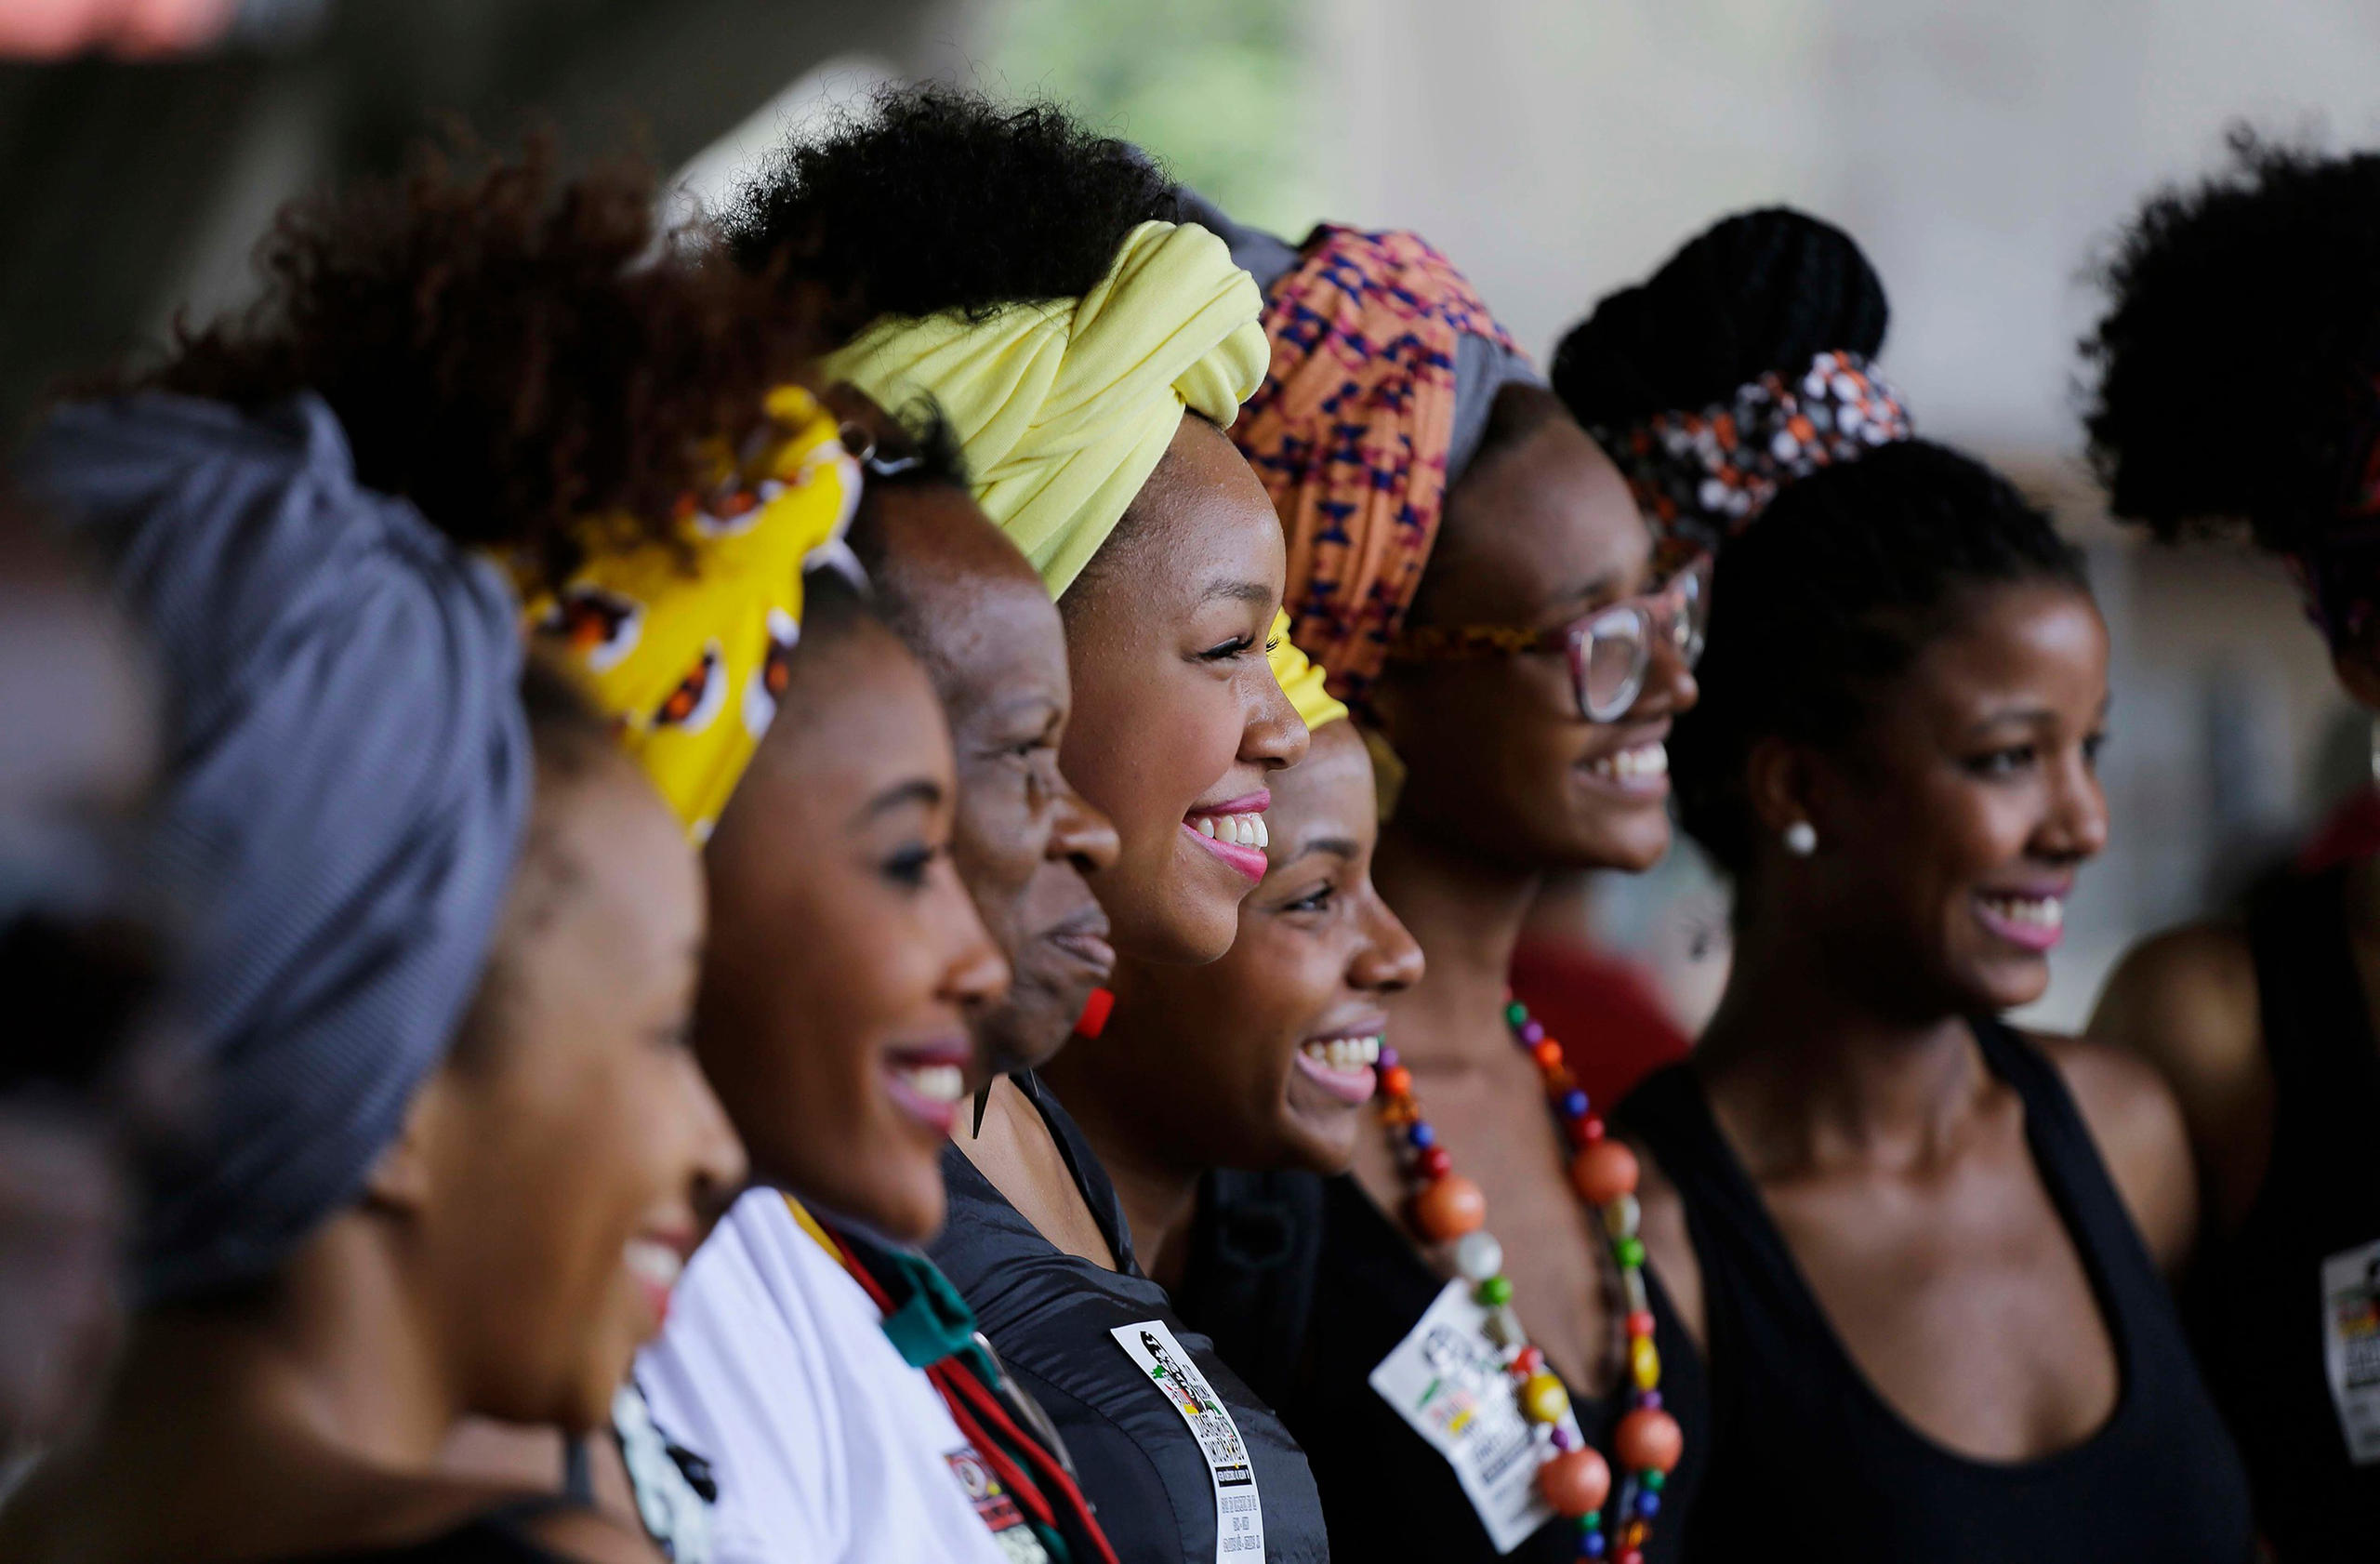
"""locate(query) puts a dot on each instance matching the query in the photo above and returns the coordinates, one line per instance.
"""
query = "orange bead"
(1449, 1208)
(1575, 1482)
(1548, 1054)
(1648, 1441)
(1396, 1080)
(1602, 1172)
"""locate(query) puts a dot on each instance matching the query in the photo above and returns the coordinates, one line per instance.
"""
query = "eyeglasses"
(1611, 649)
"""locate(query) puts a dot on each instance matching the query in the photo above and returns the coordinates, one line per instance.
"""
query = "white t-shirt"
(827, 1447)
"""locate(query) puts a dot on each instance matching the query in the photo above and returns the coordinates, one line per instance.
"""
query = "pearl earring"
(1800, 838)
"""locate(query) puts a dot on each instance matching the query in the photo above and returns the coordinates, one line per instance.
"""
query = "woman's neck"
(1807, 1069)
(1014, 1149)
(337, 1359)
(1157, 1190)
(1467, 913)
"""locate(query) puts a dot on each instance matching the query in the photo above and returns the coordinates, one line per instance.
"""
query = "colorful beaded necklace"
(1443, 1207)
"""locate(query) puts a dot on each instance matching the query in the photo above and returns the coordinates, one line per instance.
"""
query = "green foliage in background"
(1215, 88)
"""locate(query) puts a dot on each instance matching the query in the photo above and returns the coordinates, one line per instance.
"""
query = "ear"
(402, 1175)
(1779, 783)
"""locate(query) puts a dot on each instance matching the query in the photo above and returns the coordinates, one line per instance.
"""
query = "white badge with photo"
(1447, 1380)
(2351, 1347)
(1240, 1512)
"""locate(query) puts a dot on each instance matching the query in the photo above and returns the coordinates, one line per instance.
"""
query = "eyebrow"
(1604, 586)
(1337, 846)
(1045, 706)
(916, 789)
(1243, 591)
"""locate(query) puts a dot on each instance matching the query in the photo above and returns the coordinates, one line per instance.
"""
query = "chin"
(912, 1214)
(1324, 1149)
(1997, 987)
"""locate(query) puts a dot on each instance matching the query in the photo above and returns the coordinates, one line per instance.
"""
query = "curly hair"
(1760, 291)
(2239, 362)
(1850, 573)
(934, 199)
(512, 350)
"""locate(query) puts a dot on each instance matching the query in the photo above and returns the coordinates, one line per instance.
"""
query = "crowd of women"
(869, 856)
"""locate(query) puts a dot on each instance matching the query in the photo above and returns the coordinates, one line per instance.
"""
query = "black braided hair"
(1760, 291)
(1832, 595)
(935, 199)
(2238, 358)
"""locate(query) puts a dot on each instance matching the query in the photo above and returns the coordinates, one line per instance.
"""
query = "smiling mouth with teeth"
(1239, 830)
(935, 1083)
(1347, 1054)
(1641, 764)
(2030, 922)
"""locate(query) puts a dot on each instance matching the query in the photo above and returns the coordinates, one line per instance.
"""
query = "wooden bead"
(1643, 1362)
(1648, 1439)
(1604, 1171)
(1449, 1209)
(1544, 1398)
(1574, 1483)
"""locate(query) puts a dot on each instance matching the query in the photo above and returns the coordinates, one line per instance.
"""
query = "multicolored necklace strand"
(1443, 1207)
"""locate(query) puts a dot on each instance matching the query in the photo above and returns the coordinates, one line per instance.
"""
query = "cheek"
(1144, 754)
(998, 843)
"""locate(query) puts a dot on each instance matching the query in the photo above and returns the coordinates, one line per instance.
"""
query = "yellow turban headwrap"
(1300, 679)
(1062, 409)
(685, 647)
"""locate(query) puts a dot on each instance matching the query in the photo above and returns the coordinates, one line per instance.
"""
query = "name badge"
(1447, 1381)
(1240, 1512)
(2351, 1347)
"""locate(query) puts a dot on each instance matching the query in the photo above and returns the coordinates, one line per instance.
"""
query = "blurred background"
(1556, 149)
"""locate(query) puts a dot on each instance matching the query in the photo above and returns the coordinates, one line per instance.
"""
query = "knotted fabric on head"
(1384, 364)
(1701, 475)
(349, 778)
(1304, 680)
(686, 646)
(1063, 408)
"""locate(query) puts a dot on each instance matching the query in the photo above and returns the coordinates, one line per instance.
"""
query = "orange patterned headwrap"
(1351, 431)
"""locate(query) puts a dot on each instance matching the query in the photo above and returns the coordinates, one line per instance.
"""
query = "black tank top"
(1807, 1462)
(2251, 1301)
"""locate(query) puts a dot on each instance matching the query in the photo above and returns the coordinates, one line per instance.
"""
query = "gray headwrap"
(348, 780)
(1482, 367)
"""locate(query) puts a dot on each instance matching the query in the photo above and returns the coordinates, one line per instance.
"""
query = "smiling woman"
(1895, 758)
(1470, 568)
(1087, 349)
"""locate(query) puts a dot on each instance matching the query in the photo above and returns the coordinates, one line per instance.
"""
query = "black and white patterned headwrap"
(1701, 476)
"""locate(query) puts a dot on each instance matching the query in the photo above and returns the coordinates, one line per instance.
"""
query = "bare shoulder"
(2136, 1123)
(1668, 1249)
(2186, 1000)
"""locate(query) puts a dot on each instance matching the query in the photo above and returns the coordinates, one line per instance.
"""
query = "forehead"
(2021, 646)
(1201, 519)
(858, 717)
(1544, 526)
(1330, 792)
(972, 606)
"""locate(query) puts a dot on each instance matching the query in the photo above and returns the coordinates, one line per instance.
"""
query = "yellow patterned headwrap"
(1062, 409)
(1302, 678)
(686, 648)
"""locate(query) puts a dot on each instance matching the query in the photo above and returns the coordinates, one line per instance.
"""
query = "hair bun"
(1762, 291)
